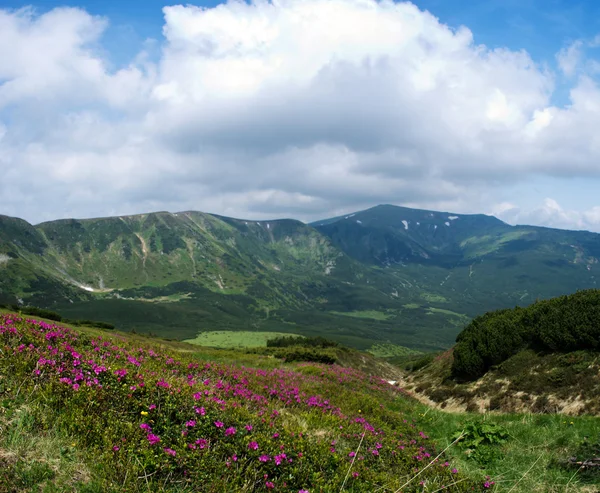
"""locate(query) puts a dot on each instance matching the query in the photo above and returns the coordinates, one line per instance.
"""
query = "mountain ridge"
(387, 274)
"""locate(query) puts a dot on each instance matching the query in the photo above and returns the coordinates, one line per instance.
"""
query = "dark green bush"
(287, 341)
(38, 312)
(420, 362)
(308, 355)
(566, 323)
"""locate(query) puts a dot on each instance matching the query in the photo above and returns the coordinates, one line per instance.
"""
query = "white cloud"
(289, 107)
(551, 214)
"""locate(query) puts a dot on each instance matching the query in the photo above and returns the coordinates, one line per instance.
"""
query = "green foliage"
(38, 312)
(291, 354)
(476, 433)
(287, 341)
(387, 350)
(480, 439)
(527, 462)
(420, 362)
(309, 355)
(90, 323)
(57, 317)
(566, 323)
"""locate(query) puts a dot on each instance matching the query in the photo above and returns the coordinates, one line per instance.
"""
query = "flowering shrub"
(156, 420)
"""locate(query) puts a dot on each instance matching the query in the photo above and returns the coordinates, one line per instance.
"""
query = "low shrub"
(420, 362)
(38, 312)
(287, 341)
(566, 323)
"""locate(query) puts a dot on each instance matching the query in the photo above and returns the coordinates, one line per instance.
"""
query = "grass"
(484, 245)
(237, 339)
(391, 350)
(172, 298)
(536, 443)
(448, 312)
(30, 459)
(372, 314)
(434, 298)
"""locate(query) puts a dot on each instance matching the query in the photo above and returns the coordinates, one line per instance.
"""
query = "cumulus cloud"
(297, 108)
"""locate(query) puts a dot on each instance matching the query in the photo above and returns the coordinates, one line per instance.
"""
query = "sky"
(301, 108)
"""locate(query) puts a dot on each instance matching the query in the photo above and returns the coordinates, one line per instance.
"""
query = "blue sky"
(514, 139)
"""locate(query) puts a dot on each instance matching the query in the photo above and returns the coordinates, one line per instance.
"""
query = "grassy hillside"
(139, 418)
(543, 358)
(94, 411)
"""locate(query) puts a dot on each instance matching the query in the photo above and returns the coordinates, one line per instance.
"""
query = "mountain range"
(387, 274)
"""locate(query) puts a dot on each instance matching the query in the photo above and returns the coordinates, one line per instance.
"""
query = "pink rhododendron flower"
(153, 439)
(202, 443)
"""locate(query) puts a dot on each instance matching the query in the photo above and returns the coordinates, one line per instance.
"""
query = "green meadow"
(241, 339)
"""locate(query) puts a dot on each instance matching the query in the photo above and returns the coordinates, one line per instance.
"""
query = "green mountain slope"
(384, 275)
(468, 263)
(181, 273)
(387, 234)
